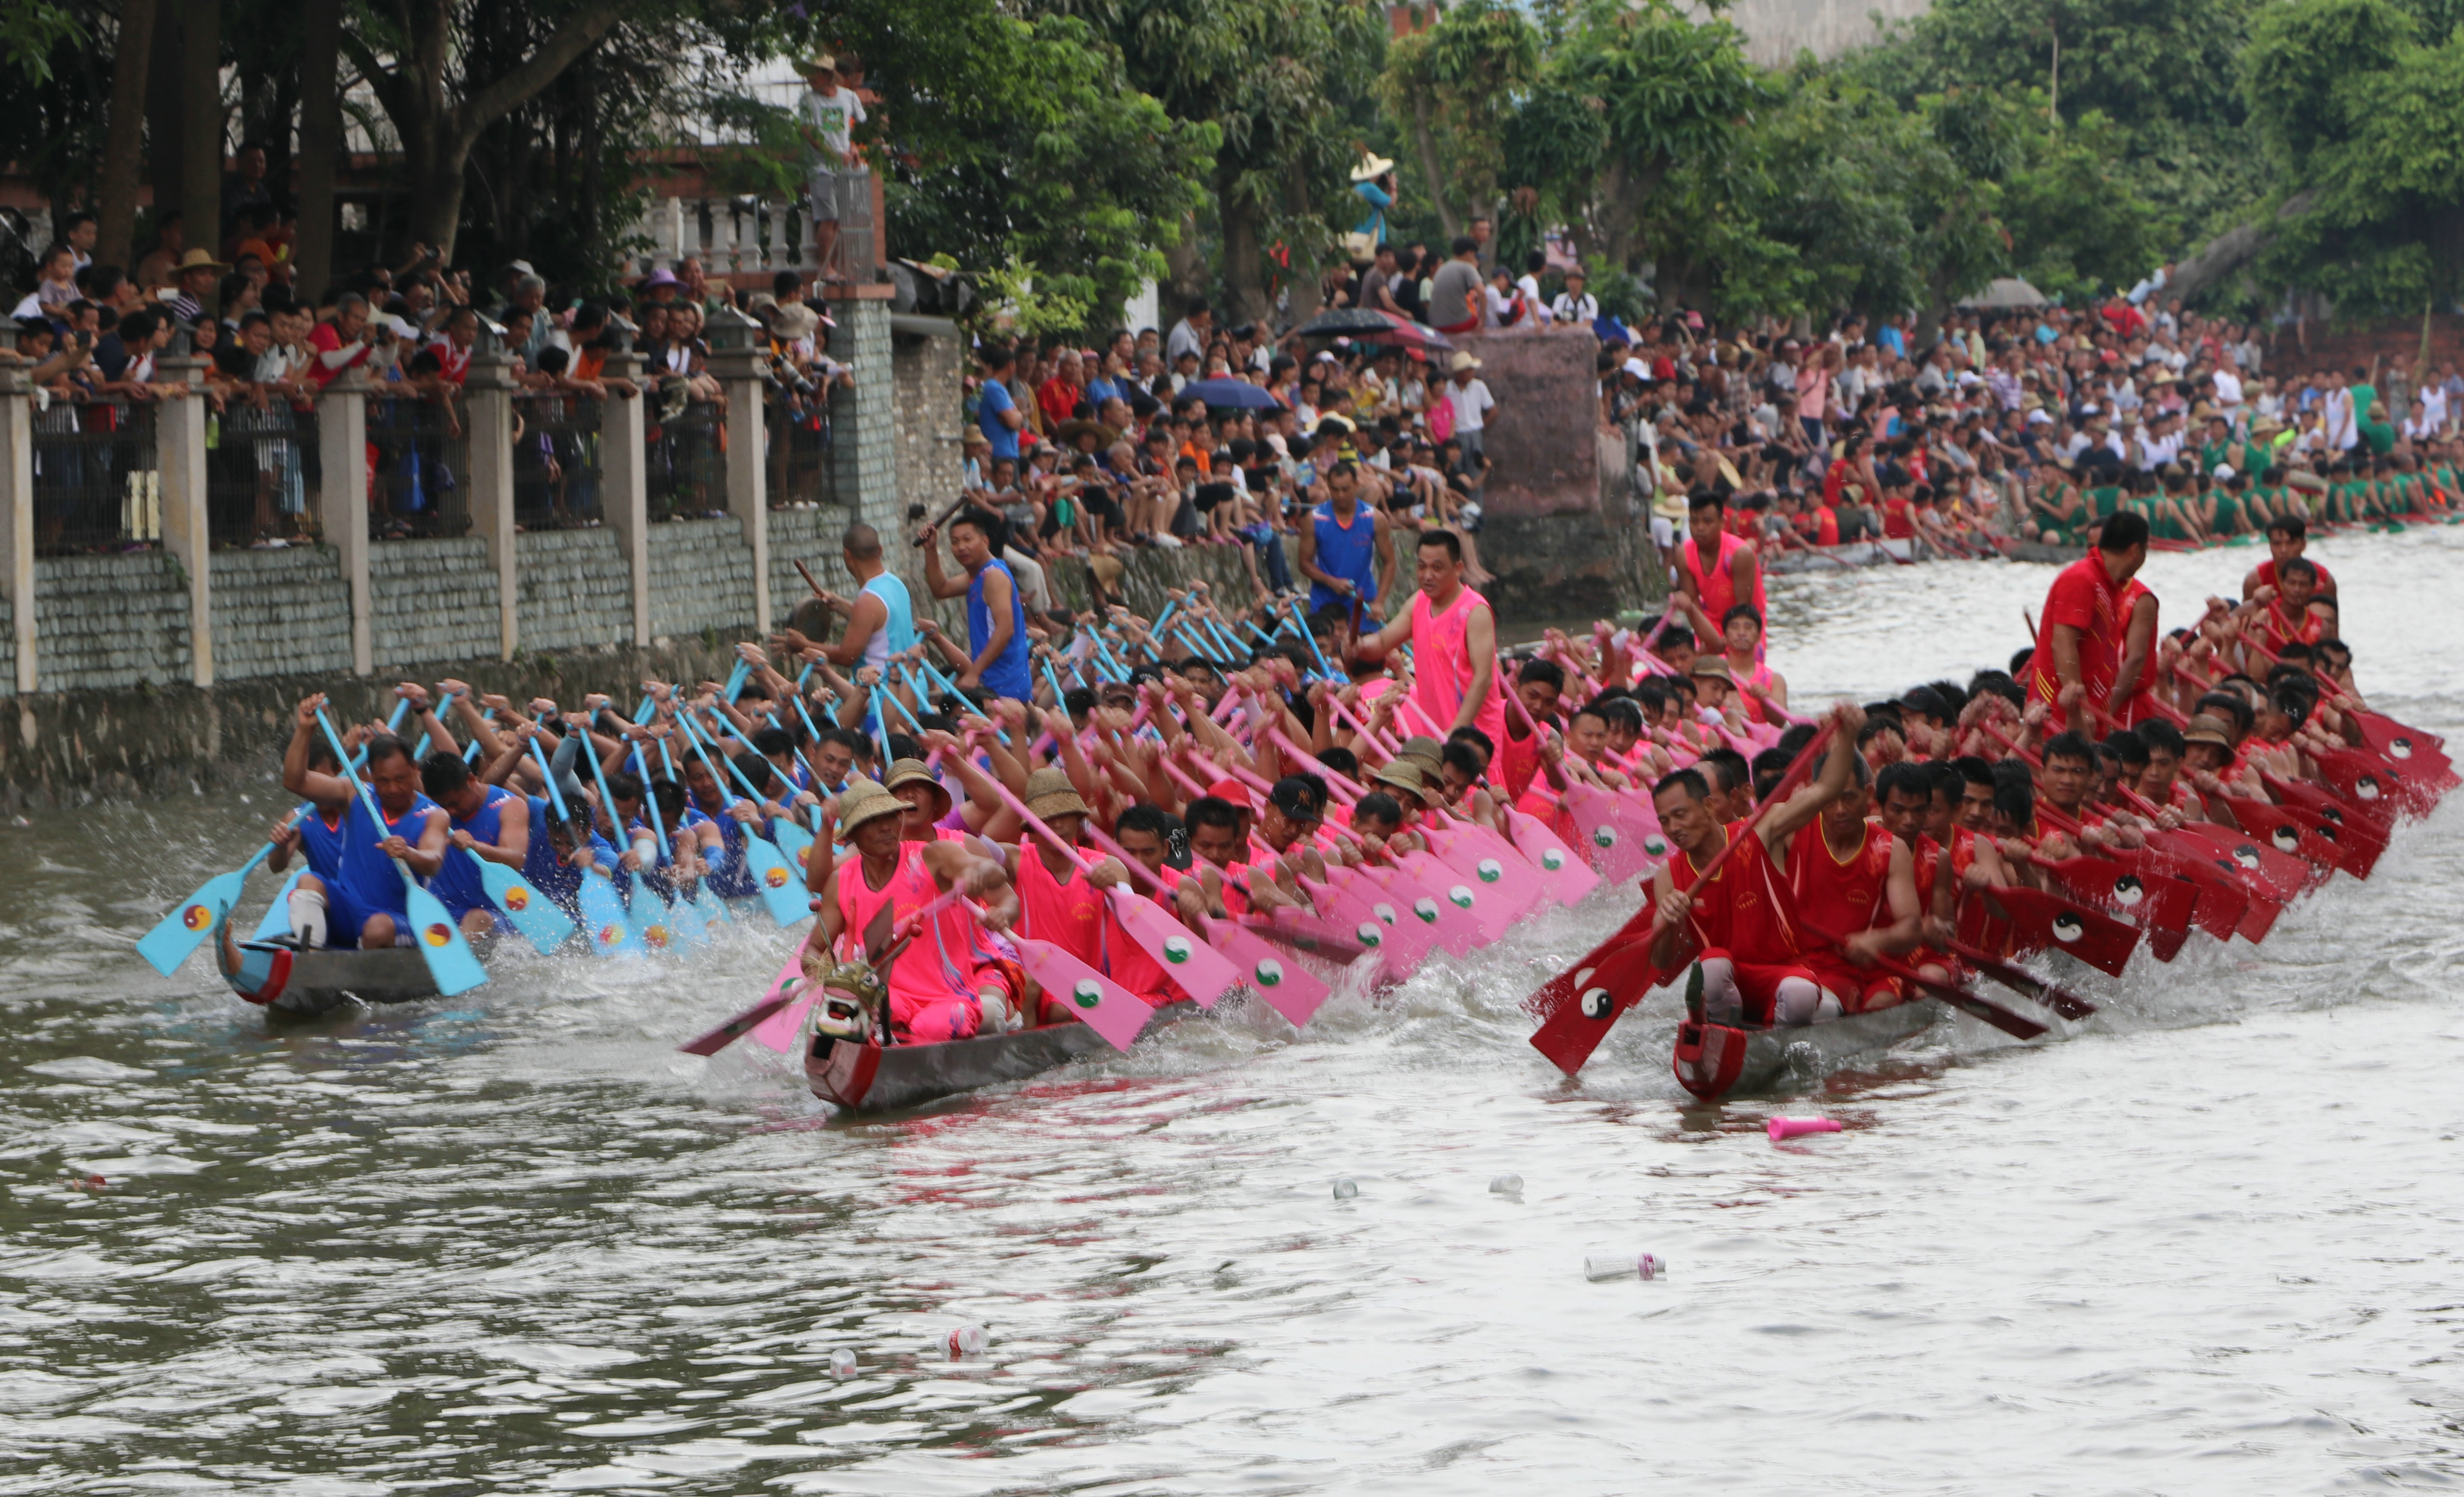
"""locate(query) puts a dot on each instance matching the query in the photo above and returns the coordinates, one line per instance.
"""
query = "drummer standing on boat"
(2079, 639)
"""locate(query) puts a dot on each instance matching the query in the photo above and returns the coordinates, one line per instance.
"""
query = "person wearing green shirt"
(2378, 432)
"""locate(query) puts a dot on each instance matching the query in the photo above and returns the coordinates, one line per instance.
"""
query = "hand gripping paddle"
(433, 931)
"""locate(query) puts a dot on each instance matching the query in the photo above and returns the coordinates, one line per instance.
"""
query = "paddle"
(178, 934)
(602, 913)
(779, 994)
(433, 931)
(2042, 921)
(1093, 998)
(2019, 979)
(645, 912)
(1572, 1031)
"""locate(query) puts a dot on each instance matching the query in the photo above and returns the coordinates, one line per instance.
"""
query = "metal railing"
(556, 461)
(803, 469)
(98, 480)
(422, 466)
(684, 469)
(261, 469)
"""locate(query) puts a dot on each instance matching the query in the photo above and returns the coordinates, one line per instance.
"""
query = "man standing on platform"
(2078, 640)
(995, 620)
(1453, 634)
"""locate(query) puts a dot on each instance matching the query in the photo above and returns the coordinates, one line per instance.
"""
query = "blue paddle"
(433, 931)
(603, 914)
(646, 913)
(179, 932)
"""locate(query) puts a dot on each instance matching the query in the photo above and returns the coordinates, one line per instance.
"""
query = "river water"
(516, 1243)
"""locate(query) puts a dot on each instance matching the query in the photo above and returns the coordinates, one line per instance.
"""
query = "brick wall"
(572, 590)
(280, 613)
(701, 578)
(432, 599)
(811, 536)
(110, 621)
(925, 376)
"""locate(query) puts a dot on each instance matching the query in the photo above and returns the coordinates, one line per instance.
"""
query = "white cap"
(2040, 414)
(1635, 367)
(2223, 472)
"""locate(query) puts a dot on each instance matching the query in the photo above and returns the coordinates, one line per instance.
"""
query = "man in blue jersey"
(365, 900)
(1345, 548)
(485, 822)
(997, 644)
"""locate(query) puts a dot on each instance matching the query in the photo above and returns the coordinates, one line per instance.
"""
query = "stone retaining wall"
(280, 613)
(432, 599)
(701, 579)
(572, 591)
(110, 621)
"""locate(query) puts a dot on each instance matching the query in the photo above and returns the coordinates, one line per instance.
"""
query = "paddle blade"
(2371, 781)
(1378, 896)
(449, 959)
(783, 892)
(714, 909)
(778, 996)
(603, 918)
(1562, 870)
(1193, 967)
(788, 989)
(1570, 1034)
(532, 913)
(2042, 921)
(1620, 846)
(277, 915)
(1095, 1000)
(1288, 988)
(1560, 990)
(1456, 897)
(179, 932)
(1495, 872)
(648, 914)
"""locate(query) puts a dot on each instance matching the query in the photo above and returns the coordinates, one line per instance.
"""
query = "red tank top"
(942, 960)
(1745, 916)
(2142, 705)
(1840, 896)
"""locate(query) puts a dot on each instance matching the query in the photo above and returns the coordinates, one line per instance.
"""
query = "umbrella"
(1372, 326)
(1239, 394)
(2005, 292)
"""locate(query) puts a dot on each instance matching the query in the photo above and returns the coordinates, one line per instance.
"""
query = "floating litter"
(1344, 1190)
(842, 1363)
(1506, 1185)
(1780, 1128)
(1616, 1266)
(961, 1341)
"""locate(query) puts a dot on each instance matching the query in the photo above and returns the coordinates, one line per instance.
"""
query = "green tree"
(1452, 89)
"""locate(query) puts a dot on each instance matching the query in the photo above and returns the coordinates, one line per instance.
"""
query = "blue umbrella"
(1239, 394)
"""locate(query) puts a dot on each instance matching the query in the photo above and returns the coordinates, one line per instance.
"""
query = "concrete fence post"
(180, 439)
(488, 392)
(625, 483)
(735, 358)
(342, 501)
(18, 518)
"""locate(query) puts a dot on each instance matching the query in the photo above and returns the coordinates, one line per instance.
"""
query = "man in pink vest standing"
(1453, 634)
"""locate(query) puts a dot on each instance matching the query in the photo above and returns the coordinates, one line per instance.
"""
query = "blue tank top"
(540, 867)
(1008, 676)
(457, 882)
(897, 632)
(1348, 554)
(371, 881)
(322, 845)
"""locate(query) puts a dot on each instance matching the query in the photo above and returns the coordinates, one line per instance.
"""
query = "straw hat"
(1050, 793)
(1405, 775)
(2207, 728)
(1372, 168)
(198, 260)
(1461, 361)
(1711, 668)
(864, 801)
(907, 772)
(1424, 751)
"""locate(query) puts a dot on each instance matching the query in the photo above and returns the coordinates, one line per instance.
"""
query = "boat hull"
(877, 1078)
(319, 981)
(1769, 1052)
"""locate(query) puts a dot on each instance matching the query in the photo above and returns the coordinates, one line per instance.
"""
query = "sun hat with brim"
(1403, 775)
(1050, 793)
(198, 260)
(2206, 728)
(1425, 750)
(795, 320)
(1710, 668)
(864, 801)
(662, 277)
(1462, 360)
(1372, 168)
(907, 772)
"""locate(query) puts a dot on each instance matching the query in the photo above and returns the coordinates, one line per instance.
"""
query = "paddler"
(2288, 536)
(2079, 639)
(947, 983)
(880, 619)
(480, 826)
(1345, 548)
(1062, 903)
(1740, 925)
(1538, 686)
(1453, 634)
(1735, 576)
(365, 902)
(1763, 689)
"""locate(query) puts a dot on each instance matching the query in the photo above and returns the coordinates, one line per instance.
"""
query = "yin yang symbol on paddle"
(1427, 909)
(2246, 856)
(1551, 859)
(1176, 949)
(776, 878)
(610, 934)
(1269, 971)
(1461, 896)
(196, 917)
(1489, 870)
(2286, 839)
(1595, 1003)
(2067, 927)
(1605, 837)
(2365, 788)
(2399, 748)
(518, 899)
(1088, 992)
(1384, 912)
(1655, 846)
(1369, 935)
(2128, 890)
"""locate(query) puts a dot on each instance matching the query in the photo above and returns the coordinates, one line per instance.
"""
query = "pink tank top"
(942, 960)
(1441, 666)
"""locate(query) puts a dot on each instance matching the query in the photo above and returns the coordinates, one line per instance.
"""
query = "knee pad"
(1000, 1017)
(308, 916)
(1799, 1001)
